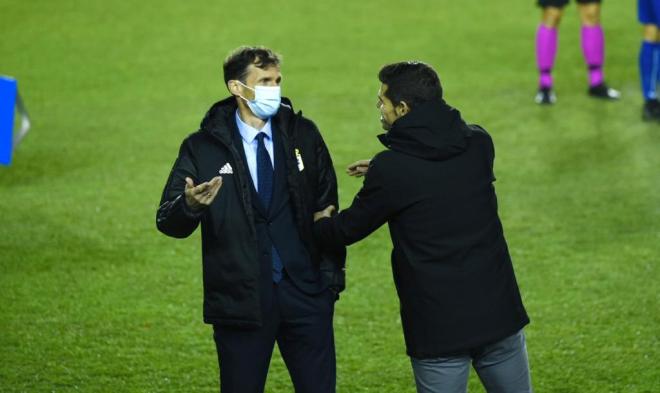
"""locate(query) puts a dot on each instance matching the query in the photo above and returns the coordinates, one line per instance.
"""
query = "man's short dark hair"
(411, 81)
(236, 64)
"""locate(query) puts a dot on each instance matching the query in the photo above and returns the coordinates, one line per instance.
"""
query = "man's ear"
(233, 87)
(402, 109)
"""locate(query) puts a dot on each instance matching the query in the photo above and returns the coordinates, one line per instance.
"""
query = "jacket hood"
(432, 131)
(219, 118)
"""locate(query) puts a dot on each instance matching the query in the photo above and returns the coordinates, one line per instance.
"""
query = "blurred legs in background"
(593, 48)
(649, 57)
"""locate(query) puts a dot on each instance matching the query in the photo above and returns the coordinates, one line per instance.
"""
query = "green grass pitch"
(94, 299)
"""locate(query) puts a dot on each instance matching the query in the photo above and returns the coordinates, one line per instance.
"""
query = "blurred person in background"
(593, 48)
(649, 57)
(253, 176)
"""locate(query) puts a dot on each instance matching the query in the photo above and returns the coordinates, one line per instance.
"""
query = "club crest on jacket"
(301, 166)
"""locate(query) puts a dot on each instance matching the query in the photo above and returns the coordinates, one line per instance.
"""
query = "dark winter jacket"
(451, 266)
(230, 251)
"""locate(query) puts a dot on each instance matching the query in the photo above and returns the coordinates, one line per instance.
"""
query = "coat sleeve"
(371, 208)
(174, 217)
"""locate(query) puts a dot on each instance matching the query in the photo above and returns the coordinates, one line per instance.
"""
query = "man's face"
(269, 76)
(387, 111)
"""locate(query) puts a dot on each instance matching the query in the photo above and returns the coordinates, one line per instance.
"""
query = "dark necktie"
(264, 172)
(265, 190)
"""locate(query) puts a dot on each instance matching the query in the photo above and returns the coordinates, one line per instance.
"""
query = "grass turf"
(94, 299)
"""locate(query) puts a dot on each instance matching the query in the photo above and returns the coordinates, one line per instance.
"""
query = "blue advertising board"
(8, 92)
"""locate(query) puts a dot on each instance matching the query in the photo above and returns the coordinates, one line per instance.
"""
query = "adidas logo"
(226, 170)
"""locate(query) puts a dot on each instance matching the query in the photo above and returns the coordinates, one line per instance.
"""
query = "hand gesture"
(358, 168)
(325, 213)
(201, 196)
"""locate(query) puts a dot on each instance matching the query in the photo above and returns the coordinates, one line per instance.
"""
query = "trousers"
(502, 367)
(300, 324)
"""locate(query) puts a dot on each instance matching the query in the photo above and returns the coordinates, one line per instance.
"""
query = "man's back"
(449, 253)
(446, 206)
(451, 266)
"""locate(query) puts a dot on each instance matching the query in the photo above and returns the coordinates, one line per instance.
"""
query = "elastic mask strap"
(244, 85)
(245, 99)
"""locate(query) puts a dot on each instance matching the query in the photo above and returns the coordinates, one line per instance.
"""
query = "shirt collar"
(248, 133)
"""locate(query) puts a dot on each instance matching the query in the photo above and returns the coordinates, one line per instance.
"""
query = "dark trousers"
(301, 324)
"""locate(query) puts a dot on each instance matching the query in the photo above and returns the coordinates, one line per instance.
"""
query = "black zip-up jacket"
(229, 240)
(450, 261)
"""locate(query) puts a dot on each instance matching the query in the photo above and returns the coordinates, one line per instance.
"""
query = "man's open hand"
(358, 168)
(200, 196)
(327, 212)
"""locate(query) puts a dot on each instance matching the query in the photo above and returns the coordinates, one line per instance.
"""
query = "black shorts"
(562, 3)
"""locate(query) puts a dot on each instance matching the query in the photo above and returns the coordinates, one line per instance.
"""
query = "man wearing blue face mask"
(253, 175)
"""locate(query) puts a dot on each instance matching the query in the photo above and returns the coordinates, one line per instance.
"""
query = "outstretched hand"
(325, 213)
(358, 168)
(202, 195)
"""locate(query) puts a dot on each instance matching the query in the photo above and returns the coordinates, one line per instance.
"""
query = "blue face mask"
(266, 101)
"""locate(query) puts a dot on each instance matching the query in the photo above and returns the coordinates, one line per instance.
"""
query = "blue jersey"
(649, 12)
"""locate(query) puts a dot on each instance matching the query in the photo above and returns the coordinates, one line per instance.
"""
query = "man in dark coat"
(433, 185)
(253, 176)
